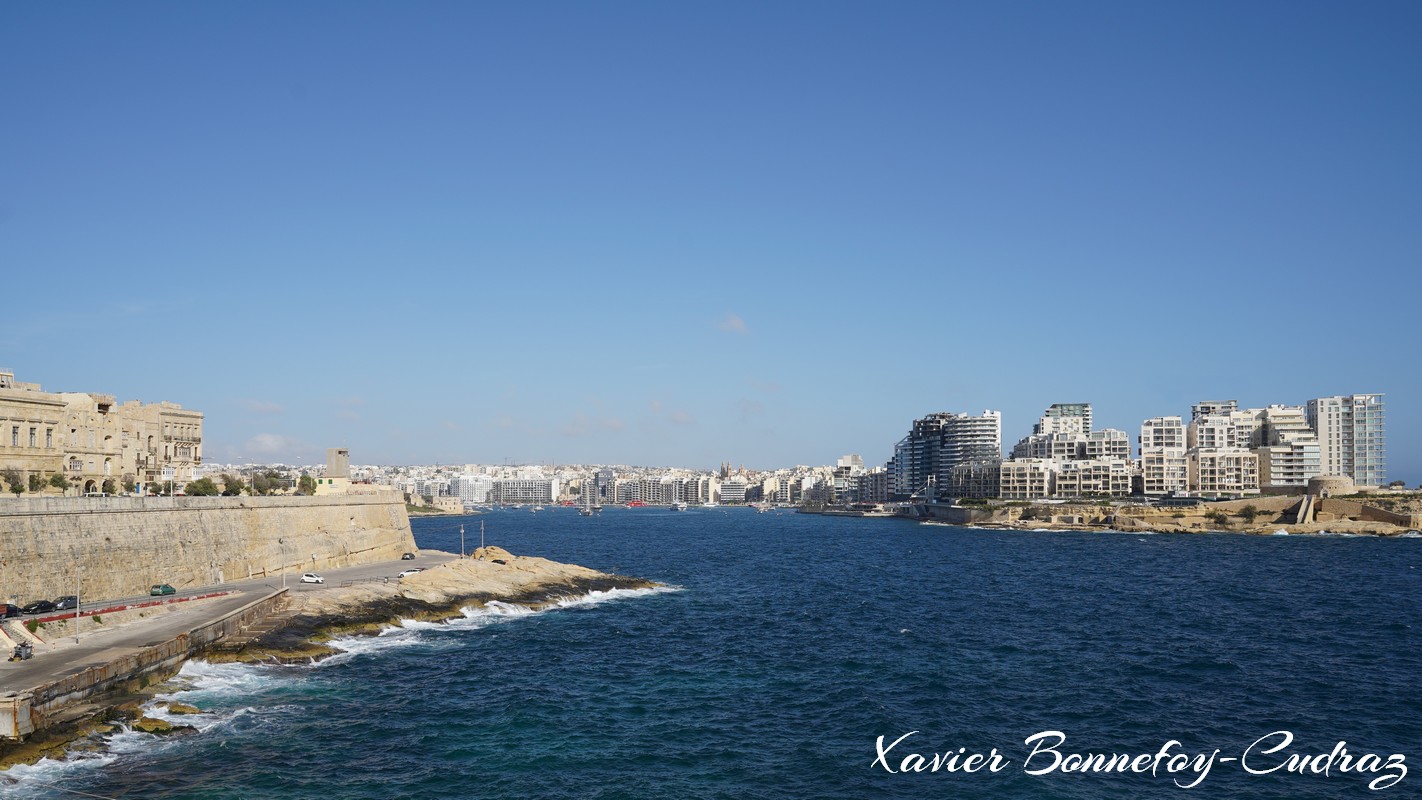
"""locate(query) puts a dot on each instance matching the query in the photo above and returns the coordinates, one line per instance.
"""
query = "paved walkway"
(99, 644)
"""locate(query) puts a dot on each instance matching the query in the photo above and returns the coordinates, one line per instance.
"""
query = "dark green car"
(160, 589)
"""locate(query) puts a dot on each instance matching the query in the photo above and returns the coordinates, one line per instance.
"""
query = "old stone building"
(92, 440)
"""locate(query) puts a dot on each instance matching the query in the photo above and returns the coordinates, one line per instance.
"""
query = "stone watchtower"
(338, 472)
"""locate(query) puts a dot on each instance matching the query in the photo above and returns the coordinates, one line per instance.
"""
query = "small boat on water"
(679, 506)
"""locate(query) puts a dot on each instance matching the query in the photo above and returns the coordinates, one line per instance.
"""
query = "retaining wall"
(24, 713)
(120, 546)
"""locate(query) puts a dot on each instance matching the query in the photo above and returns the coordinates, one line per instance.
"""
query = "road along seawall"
(24, 713)
(120, 546)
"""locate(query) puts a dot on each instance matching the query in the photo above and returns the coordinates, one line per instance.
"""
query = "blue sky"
(687, 233)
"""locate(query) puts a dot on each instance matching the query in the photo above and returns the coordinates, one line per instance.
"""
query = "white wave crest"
(607, 595)
(35, 780)
(203, 679)
(410, 632)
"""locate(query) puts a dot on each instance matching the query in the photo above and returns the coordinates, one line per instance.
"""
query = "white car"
(311, 577)
(411, 571)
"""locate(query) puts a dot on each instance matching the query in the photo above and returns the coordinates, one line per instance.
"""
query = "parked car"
(411, 571)
(38, 607)
(160, 589)
(66, 602)
(8, 610)
(311, 577)
(408, 557)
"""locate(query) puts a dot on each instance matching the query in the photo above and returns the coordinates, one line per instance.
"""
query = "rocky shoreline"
(300, 634)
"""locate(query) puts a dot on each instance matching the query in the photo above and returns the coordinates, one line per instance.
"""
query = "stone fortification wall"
(120, 546)
(1351, 509)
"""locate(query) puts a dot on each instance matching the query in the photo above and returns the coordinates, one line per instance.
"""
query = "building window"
(15, 436)
(48, 438)
(33, 431)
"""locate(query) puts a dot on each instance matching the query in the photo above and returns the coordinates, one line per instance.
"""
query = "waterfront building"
(92, 440)
(1288, 449)
(604, 487)
(916, 457)
(970, 438)
(525, 490)
(843, 480)
(874, 485)
(1164, 466)
(938, 442)
(471, 489)
(1164, 470)
(975, 480)
(1026, 479)
(1093, 478)
(1224, 471)
(1351, 436)
(733, 491)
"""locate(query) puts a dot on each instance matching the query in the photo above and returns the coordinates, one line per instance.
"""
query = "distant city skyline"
(682, 235)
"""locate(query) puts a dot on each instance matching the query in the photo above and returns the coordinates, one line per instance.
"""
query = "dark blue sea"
(789, 644)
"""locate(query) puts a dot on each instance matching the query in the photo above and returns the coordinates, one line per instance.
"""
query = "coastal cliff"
(439, 593)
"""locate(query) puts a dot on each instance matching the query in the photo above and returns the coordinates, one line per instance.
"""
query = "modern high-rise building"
(1288, 450)
(1065, 418)
(939, 442)
(1351, 436)
(967, 438)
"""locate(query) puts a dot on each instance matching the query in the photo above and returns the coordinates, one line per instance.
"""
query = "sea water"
(788, 653)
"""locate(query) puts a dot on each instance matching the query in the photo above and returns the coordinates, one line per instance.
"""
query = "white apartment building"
(522, 490)
(1026, 479)
(1164, 470)
(1289, 451)
(1093, 478)
(1164, 467)
(968, 438)
(1162, 432)
(733, 491)
(1351, 436)
(1217, 471)
(471, 489)
(1106, 444)
(1232, 428)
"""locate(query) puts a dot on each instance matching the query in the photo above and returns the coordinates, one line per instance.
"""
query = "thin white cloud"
(734, 324)
(267, 443)
(581, 425)
(262, 406)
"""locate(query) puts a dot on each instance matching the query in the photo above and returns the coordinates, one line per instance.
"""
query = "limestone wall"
(1351, 509)
(120, 546)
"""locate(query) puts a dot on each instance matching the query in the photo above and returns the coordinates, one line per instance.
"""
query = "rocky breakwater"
(436, 594)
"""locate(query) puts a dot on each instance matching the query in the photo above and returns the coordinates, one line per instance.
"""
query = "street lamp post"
(76, 601)
(282, 544)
